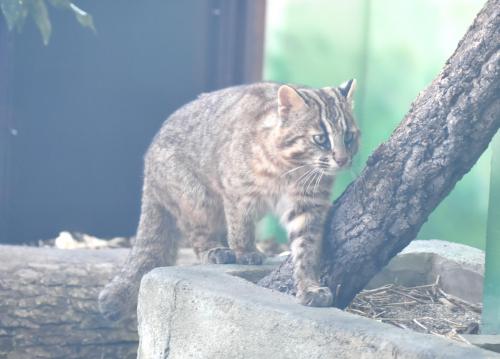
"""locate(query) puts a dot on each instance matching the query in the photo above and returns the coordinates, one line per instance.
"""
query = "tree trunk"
(48, 305)
(448, 127)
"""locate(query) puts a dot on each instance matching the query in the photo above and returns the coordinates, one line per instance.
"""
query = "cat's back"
(221, 109)
(199, 133)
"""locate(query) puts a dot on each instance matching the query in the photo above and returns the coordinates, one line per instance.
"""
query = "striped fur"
(221, 162)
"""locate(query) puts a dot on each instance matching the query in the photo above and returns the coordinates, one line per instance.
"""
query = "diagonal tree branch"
(447, 128)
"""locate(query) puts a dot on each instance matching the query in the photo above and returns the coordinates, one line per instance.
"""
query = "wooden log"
(48, 305)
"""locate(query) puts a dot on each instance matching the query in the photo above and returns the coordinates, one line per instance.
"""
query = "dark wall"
(85, 108)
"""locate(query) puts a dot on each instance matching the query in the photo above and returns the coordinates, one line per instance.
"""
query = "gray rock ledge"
(460, 268)
(212, 312)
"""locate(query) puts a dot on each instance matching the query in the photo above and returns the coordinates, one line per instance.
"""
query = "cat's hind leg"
(155, 246)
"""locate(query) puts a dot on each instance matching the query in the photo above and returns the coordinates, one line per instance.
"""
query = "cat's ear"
(347, 89)
(289, 100)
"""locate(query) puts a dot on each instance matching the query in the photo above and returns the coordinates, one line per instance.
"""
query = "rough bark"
(48, 305)
(447, 128)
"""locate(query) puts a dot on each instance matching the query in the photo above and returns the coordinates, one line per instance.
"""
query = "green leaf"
(83, 17)
(14, 12)
(41, 16)
(60, 3)
(22, 18)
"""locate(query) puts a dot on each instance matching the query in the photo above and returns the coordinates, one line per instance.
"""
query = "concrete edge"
(424, 260)
(339, 327)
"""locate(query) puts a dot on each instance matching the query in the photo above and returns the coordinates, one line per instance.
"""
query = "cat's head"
(317, 126)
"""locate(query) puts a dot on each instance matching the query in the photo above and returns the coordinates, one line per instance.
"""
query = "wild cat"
(224, 160)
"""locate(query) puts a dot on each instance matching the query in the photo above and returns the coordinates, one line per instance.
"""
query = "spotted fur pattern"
(221, 162)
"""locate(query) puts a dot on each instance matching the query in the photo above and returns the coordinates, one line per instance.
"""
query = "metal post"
(490, 321)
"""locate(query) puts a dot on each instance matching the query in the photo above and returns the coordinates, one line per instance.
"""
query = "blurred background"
(394, 49)
(77, 114)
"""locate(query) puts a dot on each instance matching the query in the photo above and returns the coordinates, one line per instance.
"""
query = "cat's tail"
(155, 246)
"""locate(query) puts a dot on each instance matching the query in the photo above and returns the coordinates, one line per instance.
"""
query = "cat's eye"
(348, 138)
(321, 140)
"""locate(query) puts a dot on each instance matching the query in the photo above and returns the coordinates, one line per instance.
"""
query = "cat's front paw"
(316, 297)
(250, 258)
(218, 255)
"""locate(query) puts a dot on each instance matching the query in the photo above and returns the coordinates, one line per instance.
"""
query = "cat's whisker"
(304, 178)
(293, 170)
(311, 173)
(297, 182)
(309, 180)
(306, 181)
(318, 181)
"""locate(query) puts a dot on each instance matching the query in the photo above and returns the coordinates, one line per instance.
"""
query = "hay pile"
(425, 309)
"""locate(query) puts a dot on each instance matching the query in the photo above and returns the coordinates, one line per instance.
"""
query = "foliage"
(394, 55)
(16, 12)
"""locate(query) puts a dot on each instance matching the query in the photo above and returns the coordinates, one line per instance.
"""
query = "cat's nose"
(341, 160)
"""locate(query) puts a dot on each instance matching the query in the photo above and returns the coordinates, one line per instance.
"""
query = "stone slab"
(205, 312)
